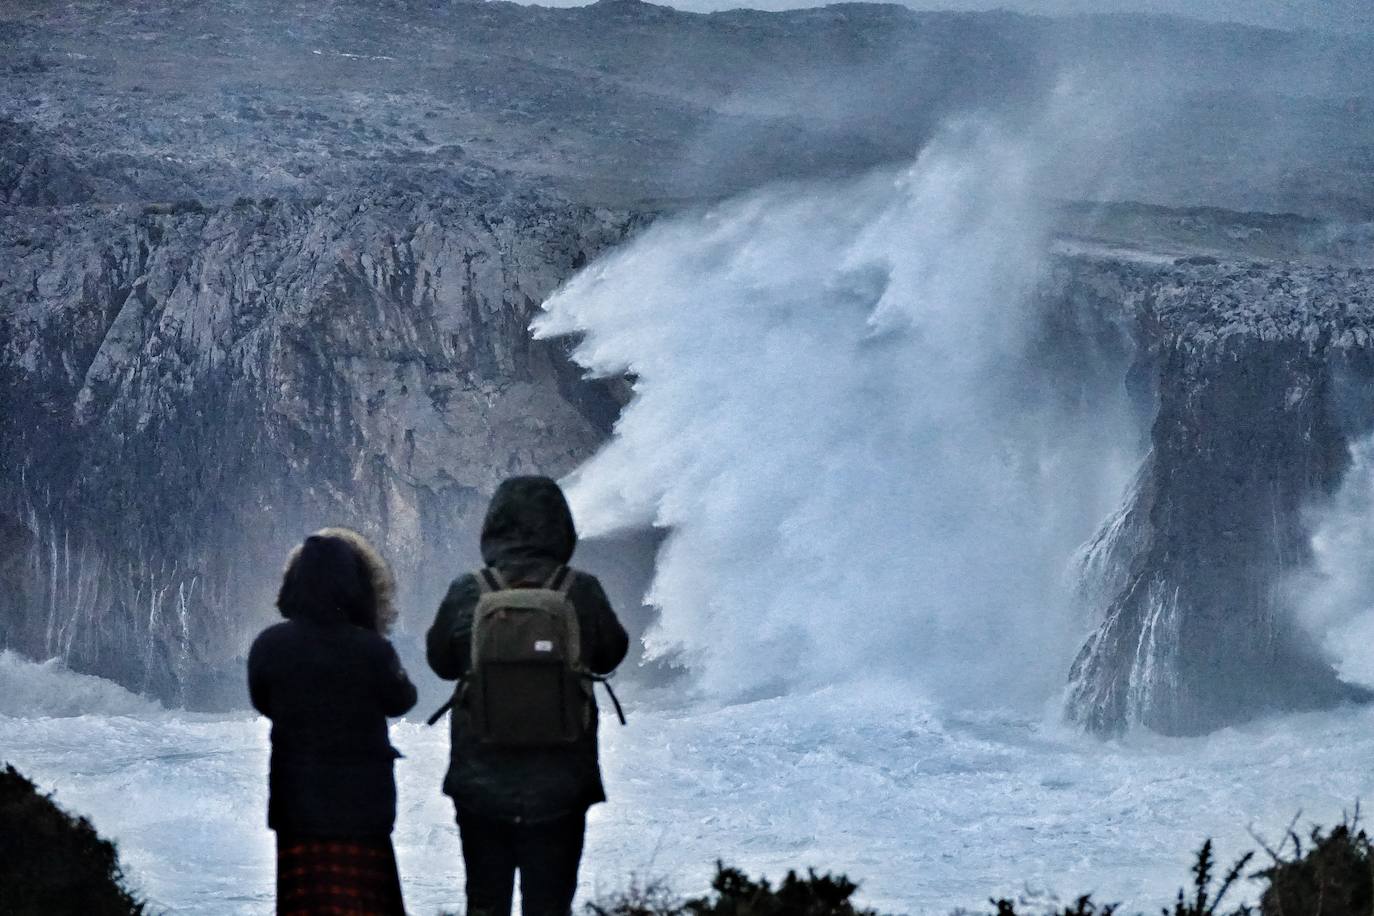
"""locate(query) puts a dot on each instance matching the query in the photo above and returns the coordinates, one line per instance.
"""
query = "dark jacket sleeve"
(448, 644)
(397, 692)
(604, 640)
(258, 681)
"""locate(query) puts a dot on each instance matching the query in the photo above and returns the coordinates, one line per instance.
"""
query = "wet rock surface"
(1260, 376)
(188, 393)
(269, 266)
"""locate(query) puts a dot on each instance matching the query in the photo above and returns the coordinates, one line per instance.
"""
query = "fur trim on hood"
(378, 571)
(331, 577)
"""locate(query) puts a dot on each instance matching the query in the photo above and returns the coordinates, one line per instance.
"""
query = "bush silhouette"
(52, 864)
(736, 894)
(1332, 878)
(1332, 874)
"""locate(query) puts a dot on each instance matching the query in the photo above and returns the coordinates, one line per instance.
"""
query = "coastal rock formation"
(188, 391)
(267, 266)
(1261, 376)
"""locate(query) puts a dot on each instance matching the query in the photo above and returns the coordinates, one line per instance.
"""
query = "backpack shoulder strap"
(560, 580)
(489, 580)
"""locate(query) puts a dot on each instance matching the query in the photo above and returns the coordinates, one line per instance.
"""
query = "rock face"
(187, 393)
(188, 390)
(270, 265)
(1261, 374)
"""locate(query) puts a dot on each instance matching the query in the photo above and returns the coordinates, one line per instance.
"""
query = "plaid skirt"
(340, 877)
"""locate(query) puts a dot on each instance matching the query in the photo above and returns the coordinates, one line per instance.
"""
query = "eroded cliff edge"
(1260, 376)
(188, 390)
(193, 372)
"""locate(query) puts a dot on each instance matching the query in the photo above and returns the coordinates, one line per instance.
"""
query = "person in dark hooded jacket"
(328, 679)
(520, 808)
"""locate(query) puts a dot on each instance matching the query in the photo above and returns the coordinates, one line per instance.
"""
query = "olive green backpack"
(526, 686)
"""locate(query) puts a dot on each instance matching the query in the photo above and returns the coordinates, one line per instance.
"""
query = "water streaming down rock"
(186, 393)
(875, 423)
(1262, 376)
(185, 388)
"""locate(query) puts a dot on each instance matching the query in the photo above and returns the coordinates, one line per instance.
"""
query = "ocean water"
(928, 810)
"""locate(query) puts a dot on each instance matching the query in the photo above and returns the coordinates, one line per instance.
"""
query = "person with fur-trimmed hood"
(328, 679)
(523, 809)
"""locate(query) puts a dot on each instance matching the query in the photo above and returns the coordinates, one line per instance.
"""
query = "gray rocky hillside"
(624, 101)
(188, 392)
(265, 266)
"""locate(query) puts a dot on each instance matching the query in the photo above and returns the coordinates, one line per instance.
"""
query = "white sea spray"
(839, 420)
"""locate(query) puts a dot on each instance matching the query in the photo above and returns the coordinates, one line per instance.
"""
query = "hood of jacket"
(375, 572)
(337, 576)
(528, 519)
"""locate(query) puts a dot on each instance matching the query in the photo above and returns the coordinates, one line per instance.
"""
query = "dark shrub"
(736, 894)
(1333, 878)
(52, 864)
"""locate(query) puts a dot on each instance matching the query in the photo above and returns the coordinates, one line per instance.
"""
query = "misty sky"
(1326, 15)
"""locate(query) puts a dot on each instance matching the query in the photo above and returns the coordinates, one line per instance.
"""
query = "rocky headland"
(267, 266)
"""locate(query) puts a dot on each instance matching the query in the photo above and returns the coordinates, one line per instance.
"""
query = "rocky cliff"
(1259, 375)
(188, 390)
(265, 266)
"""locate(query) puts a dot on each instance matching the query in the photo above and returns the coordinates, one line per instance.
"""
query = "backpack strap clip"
(560, 580)
(605, 681)
(489, 579)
